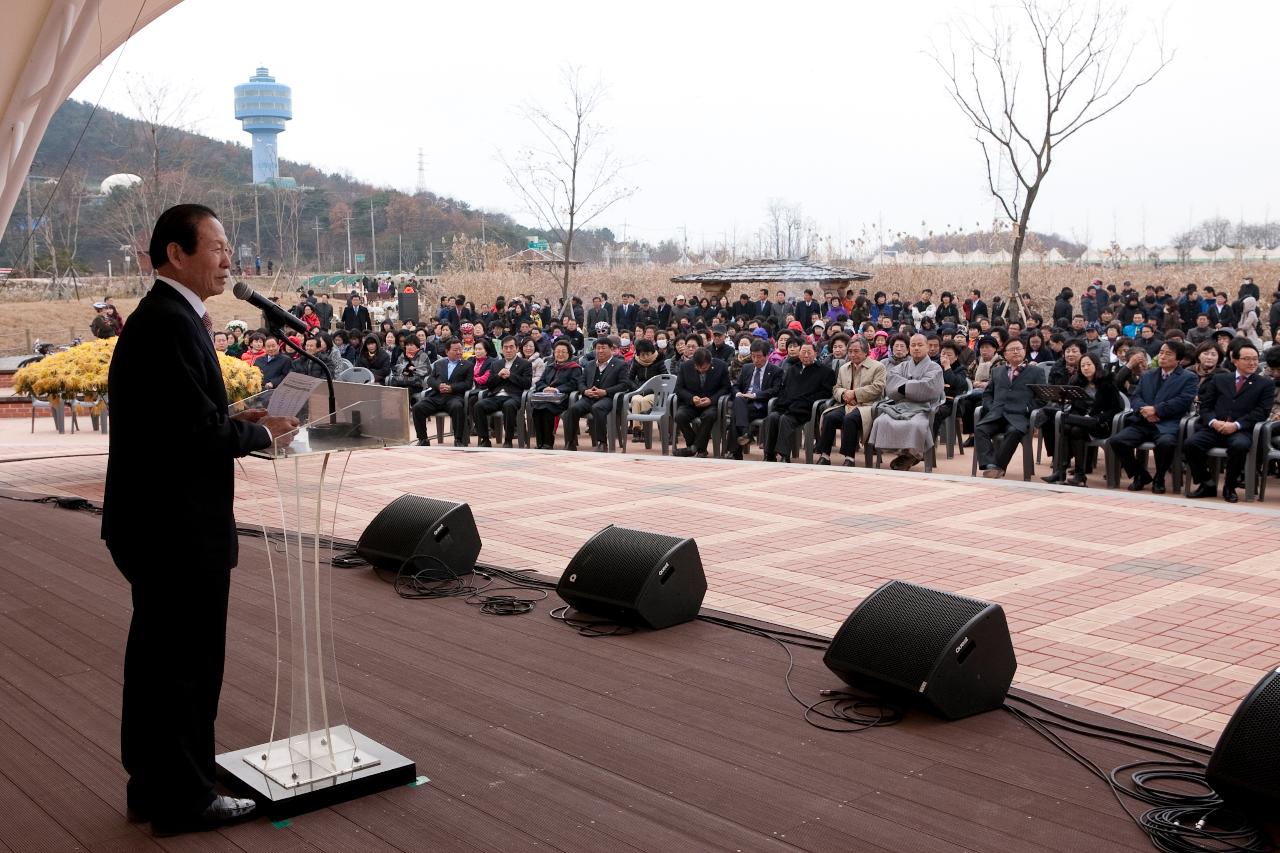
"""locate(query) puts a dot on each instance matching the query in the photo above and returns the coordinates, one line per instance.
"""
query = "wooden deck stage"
(532, 736)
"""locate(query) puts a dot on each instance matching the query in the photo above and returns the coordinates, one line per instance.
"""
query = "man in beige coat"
(859, 385)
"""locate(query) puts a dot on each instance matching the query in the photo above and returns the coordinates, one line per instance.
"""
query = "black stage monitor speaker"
(439, 538)
(635, 578)
(951, 653)
(1245, 767)
(408, 308)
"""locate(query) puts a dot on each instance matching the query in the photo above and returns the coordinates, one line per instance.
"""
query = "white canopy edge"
(50, 47)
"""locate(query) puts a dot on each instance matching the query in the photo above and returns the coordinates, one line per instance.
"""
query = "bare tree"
(795, 232)
(569, 177)
(1185, 242)
(1214, 233)
(1082, 65)
(285, 204)
(774, 225)
(60, 226)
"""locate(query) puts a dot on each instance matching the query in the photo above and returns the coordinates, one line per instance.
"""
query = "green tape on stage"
(421, 780)
(280, 824)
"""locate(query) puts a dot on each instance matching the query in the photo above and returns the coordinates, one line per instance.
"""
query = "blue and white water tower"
(263, 106)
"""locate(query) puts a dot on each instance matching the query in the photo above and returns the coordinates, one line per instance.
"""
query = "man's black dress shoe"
(1204, 490)
(1230, 496)
(1157, 486)
(1140, 482)
(223, 811)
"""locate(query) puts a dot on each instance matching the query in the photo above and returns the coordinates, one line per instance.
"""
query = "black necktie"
(756, 376)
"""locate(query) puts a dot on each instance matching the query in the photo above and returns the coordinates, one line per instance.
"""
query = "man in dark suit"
(509, 377)
(700, 383)
(457, 314)
(355, 317)
(624, 319)
(450, 379)
(602, 379)
(808, 310)
(663, 312)
(762, 304)
(1231, 405)
(597, 313)
(167, 520)
(274, 365)
(977, 308)
(757, 384)
(1006, 409)
(1159, 402)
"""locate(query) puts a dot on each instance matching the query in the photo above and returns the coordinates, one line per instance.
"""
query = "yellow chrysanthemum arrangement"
(82, 371)
(79, 371)
(242, 379)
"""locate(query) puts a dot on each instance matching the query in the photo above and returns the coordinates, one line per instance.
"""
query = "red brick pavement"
(1158, 610)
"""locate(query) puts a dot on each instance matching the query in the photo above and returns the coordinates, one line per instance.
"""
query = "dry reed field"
(23, 313)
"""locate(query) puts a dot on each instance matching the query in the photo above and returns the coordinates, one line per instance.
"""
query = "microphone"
(276, 316)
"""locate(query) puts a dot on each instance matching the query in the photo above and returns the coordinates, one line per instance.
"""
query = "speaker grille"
(871, 638)
(1248, 753)
(401, 525)
(623, 560)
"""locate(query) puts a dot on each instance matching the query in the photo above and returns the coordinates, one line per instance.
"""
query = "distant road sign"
(359, 258)
(540, 245)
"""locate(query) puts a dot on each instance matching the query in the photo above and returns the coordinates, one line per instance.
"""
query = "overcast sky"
(723, 106)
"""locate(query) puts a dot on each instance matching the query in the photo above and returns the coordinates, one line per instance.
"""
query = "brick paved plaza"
(1160, 610)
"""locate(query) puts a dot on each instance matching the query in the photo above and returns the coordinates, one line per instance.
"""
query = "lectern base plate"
(276, 801)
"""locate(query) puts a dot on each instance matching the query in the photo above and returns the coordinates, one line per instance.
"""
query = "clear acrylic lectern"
(312, 757)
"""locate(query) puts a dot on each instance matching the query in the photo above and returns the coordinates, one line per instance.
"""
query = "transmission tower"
(422, 174)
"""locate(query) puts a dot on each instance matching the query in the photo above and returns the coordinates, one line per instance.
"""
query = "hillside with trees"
(303, 228)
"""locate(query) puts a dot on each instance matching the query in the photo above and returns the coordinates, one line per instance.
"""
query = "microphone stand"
(332, 429)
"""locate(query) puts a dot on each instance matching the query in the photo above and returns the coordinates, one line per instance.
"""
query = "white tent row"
(1141, 254)
(1171, 255)
(963, 259)
(50, 46)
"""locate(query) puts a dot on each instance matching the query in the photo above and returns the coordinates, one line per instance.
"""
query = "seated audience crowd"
(1170, 377)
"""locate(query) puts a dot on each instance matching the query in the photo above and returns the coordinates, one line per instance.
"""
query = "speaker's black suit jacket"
(170, 475)
(167, 518)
